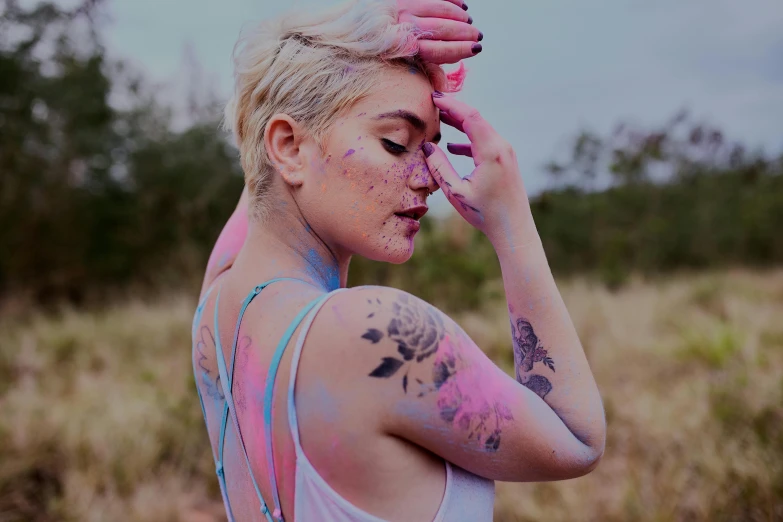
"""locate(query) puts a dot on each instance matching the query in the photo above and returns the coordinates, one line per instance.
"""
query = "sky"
(548, 70)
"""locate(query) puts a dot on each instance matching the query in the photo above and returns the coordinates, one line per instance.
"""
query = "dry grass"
(100, 422)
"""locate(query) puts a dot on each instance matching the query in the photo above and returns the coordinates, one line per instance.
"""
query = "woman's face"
(373, 169)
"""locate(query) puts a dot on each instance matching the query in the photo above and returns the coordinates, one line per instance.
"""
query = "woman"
(397, 415)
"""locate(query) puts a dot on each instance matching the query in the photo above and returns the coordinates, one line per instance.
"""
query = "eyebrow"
(417, 123)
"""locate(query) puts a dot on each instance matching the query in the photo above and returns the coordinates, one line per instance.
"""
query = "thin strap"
(292, 421)
(196, 321)
(226, 381)
(269, 391)
(200, 311)
(229, 407)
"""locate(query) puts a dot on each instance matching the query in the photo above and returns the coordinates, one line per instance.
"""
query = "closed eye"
(394, 148)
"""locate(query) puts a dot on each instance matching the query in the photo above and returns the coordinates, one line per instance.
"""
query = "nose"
(421, 178)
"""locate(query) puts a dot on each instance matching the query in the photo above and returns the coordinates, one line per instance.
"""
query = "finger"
(448, 30)
(460, 149)
(446, 118)
(438, 52)
(441, 9)
(483, 138)
(442, 170)
(459, 3)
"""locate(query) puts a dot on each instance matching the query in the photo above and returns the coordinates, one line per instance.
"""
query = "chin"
(396, 251)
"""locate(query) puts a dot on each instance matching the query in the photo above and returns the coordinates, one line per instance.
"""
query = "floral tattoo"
(213, 388)
(462, 405)
(417, 332)
(528, 350)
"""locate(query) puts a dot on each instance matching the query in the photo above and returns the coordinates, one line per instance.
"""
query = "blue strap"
(269, 392)
(226, 380)
(196, 322)
(200, 312)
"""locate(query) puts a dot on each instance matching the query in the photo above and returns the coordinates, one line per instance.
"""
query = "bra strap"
(293, 423)
(226, 381)
(269, 392)
(221, 480)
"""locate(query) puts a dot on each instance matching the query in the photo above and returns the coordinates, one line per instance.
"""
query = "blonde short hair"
(313, 67)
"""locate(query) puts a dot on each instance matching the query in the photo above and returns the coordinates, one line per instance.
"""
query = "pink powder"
(230, 241)
(456, 78)
(467, 399)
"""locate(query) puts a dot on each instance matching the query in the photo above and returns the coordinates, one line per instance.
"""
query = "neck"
(288, 245)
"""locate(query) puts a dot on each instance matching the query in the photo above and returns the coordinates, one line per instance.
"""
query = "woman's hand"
(492, 198)
(453, 37)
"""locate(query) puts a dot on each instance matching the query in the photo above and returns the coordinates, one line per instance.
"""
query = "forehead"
(401, 89)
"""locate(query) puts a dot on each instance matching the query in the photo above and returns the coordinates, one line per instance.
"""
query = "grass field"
(99, 420)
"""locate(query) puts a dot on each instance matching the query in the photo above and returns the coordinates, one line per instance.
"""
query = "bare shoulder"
(367, 317)
(393, 345)
(359, 352)
(379, 334)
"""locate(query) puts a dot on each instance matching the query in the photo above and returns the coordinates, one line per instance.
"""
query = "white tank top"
(467, 497)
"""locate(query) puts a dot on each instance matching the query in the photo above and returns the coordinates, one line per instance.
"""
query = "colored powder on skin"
(230, 241)
(455, 79)
(321, 271)
(319, 402)
(350, 151)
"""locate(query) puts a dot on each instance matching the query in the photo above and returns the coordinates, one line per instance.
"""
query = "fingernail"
(464, 6)
(428, 149)
(476, 48)
(470, 20)
(437, 94)
(481, 36)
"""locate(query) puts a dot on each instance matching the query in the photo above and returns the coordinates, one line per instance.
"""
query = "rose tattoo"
(527, 351)
(417, 332)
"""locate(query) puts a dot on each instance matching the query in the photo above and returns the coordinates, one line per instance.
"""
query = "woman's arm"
(228, 244)
(425, 380)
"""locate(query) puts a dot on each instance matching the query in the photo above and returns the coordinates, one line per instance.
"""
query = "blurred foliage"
(679, 197)
(99, 192)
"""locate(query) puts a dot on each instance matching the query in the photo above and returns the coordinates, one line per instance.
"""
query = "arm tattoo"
(528, 350)
(418, 332)
(461, 403)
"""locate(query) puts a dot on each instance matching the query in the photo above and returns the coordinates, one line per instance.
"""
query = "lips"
(414, 212)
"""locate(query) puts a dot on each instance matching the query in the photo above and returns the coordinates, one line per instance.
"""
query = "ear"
(283, 140)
